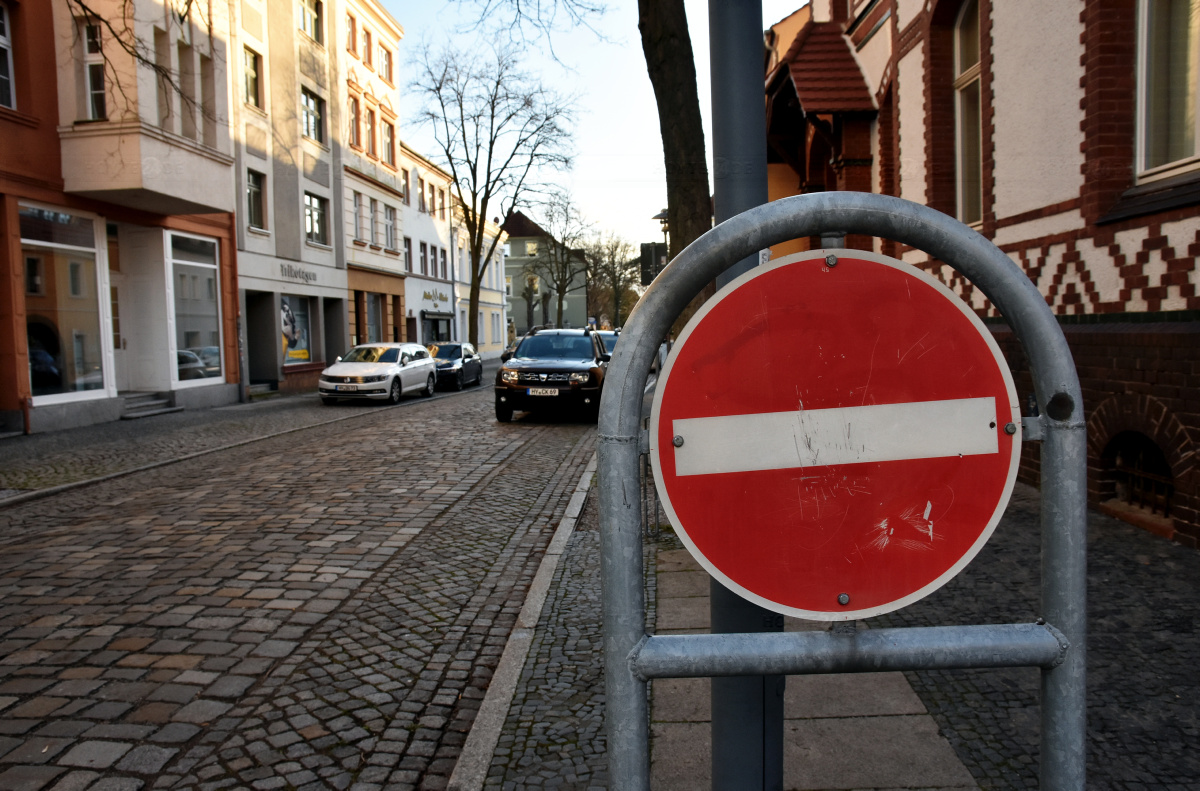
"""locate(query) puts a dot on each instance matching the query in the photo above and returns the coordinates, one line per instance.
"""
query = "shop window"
(312, 20)
(197, 309)
(62, 302)
(375, 311)
(294, 319)
(1169, 86)
(968, 112)
(316, 226)
(7, 94)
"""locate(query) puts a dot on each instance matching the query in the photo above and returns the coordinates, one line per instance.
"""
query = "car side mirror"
(604, 357)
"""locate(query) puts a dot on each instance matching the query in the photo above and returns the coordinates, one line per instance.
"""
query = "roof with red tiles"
(824, 72)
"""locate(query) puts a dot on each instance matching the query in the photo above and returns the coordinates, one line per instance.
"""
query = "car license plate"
(347, 388)
(543, 391)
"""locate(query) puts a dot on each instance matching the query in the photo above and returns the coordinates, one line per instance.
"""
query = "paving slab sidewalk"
(860, 731)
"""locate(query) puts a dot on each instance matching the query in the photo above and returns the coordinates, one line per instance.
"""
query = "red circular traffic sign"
(833, 441)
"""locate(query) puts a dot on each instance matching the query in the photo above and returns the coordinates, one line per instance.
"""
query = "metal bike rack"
(1055, 644)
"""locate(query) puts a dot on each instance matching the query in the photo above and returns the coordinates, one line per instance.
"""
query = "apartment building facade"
(532, 298)
(1067, 133)
(492, 317)
(118, 253)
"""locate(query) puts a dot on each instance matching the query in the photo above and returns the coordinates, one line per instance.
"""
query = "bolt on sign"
(835, 435)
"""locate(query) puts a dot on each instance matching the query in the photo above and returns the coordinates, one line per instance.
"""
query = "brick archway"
(1150, 417)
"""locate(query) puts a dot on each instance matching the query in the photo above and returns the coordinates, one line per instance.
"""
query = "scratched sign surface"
(833, 442)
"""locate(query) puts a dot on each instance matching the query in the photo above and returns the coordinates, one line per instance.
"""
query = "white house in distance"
(492, 311)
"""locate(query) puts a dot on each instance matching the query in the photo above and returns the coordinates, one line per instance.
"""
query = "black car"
(458, 364)
(552, 368)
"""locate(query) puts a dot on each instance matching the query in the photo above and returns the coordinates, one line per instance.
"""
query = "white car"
(382, 371)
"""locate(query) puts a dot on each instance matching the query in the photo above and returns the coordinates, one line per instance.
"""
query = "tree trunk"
(473, 310)
(561, 297)
(672, 69)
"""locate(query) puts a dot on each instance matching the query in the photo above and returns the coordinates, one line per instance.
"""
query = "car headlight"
(374, 378)
(509, 376)
(580, 378)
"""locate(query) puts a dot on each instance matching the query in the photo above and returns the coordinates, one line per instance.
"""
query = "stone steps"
(140, 405)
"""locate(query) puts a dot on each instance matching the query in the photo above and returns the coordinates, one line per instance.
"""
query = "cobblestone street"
(318, 610)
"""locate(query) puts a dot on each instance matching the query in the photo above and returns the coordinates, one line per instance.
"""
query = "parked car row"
(389, 371)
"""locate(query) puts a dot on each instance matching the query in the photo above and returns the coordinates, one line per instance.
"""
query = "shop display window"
(62, 307)
(197, 308)
(297, 335)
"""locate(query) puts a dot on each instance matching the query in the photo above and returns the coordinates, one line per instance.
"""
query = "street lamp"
(662, 218)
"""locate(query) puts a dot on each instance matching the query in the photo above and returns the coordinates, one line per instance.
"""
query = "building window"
(35, 277)
(7, 94)
(312, 19)
(508, 286)
(197, 310)
(421, 195)
(405, 188)
(355, 122)
(371, 149)
(1169, 89)
(358, 215)
(252, 63)
(424, 259)
(408, 254)
(432, 199)
(351, 35)
(442, 204)
(442, 259)
(312, 109)
(383, 63)
(389, 227)
(315, 223)
(373, 219)
(93, 72)
(968, 110)
(366, 46)
(256, 214)
(389, 143)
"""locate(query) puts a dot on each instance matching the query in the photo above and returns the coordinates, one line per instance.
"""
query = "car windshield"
(446, 351)
(560, 347)
(610, 342)
(372, 354)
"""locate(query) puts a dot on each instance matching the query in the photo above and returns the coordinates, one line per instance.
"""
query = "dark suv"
(552, 368)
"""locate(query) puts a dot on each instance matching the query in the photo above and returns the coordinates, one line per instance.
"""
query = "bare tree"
(615, 270)
(667, 47)
(560, 262)
(499, 130)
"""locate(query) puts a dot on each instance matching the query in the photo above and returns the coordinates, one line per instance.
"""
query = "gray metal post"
(1064, 449)
(747, 712)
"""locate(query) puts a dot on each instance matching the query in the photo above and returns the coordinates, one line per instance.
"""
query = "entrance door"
(120, 343)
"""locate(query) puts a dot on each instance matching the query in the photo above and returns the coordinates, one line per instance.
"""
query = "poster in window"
(294, 317)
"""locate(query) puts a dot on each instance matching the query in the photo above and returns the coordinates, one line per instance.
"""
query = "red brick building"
(117, 262)
(1067, 132)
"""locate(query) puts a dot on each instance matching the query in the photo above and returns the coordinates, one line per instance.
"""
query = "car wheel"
(430, 384)
(503, 412)
(328, 401)
(458, 381)
(394, 395)
(479, 377)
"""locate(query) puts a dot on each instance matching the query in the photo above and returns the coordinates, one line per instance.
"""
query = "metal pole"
(1059, 397)
(747, 712)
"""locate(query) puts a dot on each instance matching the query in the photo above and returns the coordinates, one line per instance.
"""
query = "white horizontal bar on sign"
(845, 435)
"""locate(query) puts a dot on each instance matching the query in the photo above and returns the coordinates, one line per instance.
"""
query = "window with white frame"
(408, 262)
(383, 62)
(968, 114)
(389, 143)
(93, 73)
(312, 19)
(316, 210)
(373, 219)
(8, 96)
(312, 108)
(256, 207)
(389, 227)
(366, 46)
(355, 122)
(252, 70)
(1169, 55)
(358, 215)
(424, 259)
(197, 310)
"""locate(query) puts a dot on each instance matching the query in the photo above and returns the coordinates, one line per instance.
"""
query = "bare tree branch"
(560, 261)
(498, 130)
(613, 275)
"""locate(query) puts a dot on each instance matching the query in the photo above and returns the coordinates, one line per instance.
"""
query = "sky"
(617, 179)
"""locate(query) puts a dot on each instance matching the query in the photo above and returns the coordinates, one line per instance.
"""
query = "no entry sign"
(835, 441)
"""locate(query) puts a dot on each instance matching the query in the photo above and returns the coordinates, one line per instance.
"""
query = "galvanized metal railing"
(1055, 644)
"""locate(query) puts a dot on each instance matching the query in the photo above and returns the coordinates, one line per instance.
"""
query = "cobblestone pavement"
(1143, 684)
(318, 610)
(40, 461)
